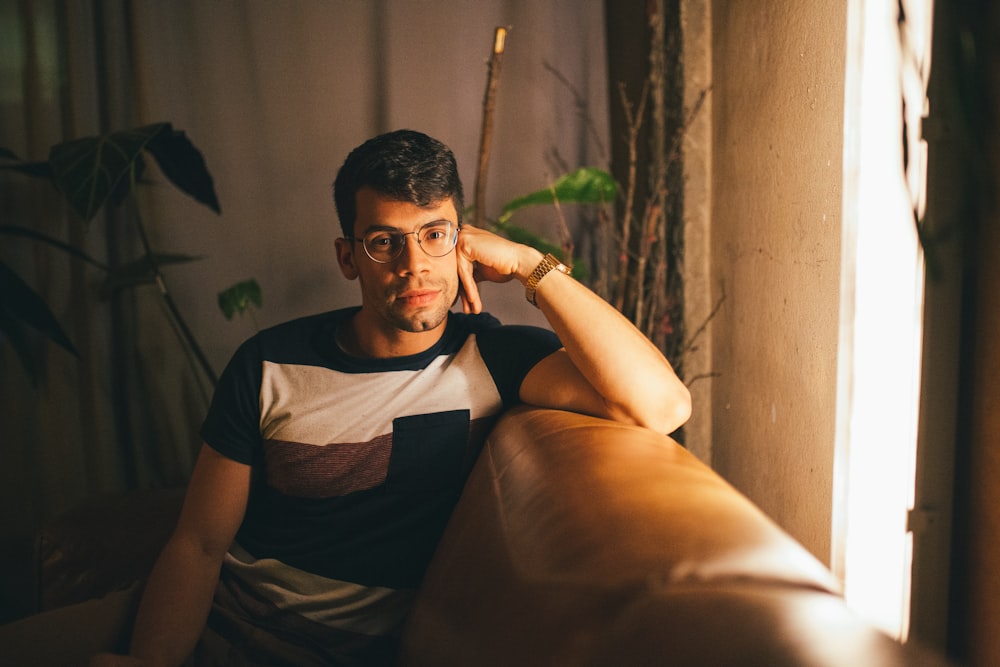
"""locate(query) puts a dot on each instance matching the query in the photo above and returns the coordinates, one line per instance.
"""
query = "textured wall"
(777, 101)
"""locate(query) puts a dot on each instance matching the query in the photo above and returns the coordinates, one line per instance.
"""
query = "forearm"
(612, 369)
(633, 377)
(175, 604)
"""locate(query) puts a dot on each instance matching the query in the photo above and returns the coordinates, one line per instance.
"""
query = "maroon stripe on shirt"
(326, 471)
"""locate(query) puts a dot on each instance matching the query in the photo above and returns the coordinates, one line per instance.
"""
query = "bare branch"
(633, 119)
(486, 135)
(689, 345)
(567, 238)
(582, 109)
(703, 376)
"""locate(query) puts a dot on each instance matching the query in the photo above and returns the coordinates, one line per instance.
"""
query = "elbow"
(671, 412)
(678, 411)
(662, 412)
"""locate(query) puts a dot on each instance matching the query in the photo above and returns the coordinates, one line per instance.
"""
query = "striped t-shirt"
(357, 466)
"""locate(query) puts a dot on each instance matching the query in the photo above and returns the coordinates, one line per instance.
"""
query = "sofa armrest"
(106, 544)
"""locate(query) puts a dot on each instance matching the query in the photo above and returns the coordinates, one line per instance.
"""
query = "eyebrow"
(390, 228)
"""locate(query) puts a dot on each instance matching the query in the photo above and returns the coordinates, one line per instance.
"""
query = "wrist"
(527, 263)
(547, 265)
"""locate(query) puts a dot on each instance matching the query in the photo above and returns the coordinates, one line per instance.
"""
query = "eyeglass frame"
(416, 235)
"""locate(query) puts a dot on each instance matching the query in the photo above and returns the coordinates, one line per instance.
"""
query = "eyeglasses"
(436, 238)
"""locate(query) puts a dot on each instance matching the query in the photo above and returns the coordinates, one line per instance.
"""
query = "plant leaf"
(12, 332)
(586, 185)
(184, 165)
(36, 169)
(87, 171)
(124, 186)
(24, 232)
(240, 298)
(521, 235)
(20, 303)
(140, 271)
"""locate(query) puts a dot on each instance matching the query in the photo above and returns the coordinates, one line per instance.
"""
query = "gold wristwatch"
(549, 262)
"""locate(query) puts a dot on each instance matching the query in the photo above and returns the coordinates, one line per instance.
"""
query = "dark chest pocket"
(428, 452)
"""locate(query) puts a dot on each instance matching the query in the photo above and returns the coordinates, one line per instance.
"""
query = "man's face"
(414, 291)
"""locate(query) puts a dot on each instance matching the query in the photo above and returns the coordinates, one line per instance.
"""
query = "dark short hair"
(403, 165)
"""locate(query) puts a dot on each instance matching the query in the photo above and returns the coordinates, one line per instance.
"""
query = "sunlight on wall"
(881, 302)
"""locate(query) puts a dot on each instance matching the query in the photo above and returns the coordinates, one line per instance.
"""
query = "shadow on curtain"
(102, 421)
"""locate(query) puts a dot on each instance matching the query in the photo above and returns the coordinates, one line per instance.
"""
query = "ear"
(345, 258)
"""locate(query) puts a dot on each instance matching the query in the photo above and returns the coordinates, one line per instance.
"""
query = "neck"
(358, 338)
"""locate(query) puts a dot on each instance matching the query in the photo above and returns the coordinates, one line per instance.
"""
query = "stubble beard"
(424, 319)
(420, 322)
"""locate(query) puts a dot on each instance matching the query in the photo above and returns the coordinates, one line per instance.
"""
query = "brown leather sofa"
(584, 542)
(577, 541)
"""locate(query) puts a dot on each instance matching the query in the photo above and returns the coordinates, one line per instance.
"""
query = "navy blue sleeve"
(232, 426)
(510, 352)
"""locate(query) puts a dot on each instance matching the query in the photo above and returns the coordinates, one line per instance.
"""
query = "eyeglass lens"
(435, 238)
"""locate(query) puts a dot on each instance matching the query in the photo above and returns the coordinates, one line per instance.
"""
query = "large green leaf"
(527, 237)
(586, 185)
(124, 187)
(184, 165)
(87, 171)
(21, 304)
(92, 170)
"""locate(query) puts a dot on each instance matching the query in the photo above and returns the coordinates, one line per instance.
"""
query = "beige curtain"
(274, 94)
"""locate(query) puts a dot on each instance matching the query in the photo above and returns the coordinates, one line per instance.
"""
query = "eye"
(379, 241)
(436, 232)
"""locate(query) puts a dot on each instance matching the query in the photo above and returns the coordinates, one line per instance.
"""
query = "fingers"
(468, 289)
(484, 256)
(494, 257)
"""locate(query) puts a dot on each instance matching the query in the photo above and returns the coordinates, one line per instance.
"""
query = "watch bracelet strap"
(549, 263)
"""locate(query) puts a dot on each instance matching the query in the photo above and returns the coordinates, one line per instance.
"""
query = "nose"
(412, 258)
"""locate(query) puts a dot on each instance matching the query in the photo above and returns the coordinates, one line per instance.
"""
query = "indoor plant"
(98, 171)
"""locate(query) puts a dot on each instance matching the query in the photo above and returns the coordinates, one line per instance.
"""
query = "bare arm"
(607, 367)
(178, 596)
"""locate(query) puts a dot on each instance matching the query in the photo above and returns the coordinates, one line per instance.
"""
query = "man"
(336, 445)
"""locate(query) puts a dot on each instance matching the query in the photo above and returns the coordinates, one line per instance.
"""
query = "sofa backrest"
(579, 541)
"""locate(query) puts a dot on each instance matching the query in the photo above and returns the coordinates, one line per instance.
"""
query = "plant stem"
(486, 135)
(566, 240)
(183, 330)
(658, 223)
(689, 344)
(582, 108)
(633, 117)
